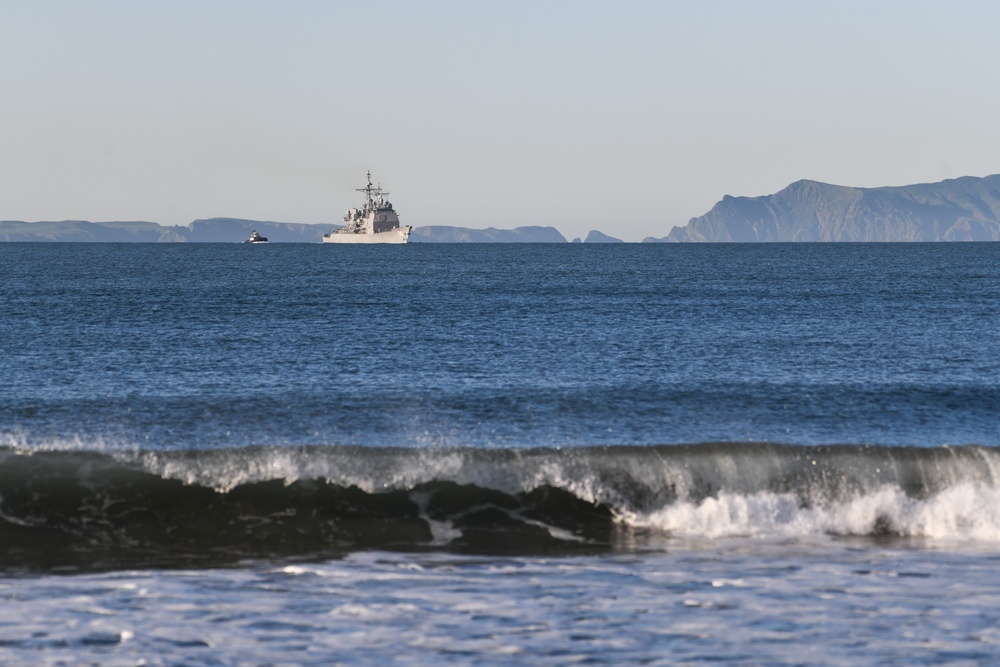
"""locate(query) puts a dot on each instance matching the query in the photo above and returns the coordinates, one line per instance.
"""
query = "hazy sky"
(628, 117)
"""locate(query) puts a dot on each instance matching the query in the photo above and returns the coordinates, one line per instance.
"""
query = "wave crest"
(80, 508)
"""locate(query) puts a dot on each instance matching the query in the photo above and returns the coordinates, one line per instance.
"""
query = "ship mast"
(370, 192)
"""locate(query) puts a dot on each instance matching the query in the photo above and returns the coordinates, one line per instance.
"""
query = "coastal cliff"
(960, 209)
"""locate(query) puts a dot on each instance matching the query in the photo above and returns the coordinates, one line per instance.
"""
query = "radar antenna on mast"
(371, 192)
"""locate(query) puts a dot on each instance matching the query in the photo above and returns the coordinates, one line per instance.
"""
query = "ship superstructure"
(375, 222)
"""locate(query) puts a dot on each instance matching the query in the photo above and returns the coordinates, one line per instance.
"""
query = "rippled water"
(180, 346)
(298, 454)
(730, 602)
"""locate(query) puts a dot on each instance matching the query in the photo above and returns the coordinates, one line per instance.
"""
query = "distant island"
(236, 230)
(445, 234)
(959, 209)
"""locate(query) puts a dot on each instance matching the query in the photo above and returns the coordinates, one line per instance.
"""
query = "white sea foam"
(20, 442)
(962, 512)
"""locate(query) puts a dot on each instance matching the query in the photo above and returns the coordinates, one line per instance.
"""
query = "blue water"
(504, 454)
(186, 346)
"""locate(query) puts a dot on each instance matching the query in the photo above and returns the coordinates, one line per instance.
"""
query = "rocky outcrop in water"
(598, 237)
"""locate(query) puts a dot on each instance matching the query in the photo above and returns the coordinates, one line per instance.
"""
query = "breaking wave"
(85, 509)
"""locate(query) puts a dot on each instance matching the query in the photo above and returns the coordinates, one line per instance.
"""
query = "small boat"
(256, 238)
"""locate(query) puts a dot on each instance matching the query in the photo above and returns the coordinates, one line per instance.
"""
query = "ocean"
(499, 454)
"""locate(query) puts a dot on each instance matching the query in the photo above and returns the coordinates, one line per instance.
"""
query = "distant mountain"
(960, 209)
(236, 230)
(443, 234)
(81, 230)
(229, 230)
(214, 230)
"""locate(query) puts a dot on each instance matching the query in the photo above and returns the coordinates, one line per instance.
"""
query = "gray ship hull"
(395, 235)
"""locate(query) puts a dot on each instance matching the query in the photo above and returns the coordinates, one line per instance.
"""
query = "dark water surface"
(499, 453)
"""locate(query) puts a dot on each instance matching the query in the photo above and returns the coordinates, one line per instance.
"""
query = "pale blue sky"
(629, 117)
